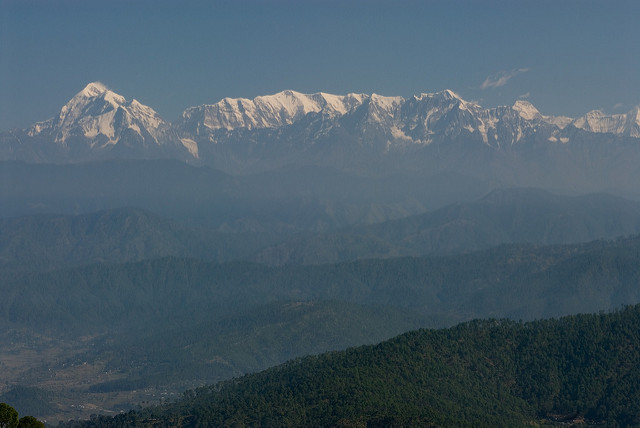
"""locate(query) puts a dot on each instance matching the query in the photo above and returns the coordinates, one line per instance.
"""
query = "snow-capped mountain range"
(269, 111)
(290, 127)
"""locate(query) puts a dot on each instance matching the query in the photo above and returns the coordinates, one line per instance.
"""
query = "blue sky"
(564, 56)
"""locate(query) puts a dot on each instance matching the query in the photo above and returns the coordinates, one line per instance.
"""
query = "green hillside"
(582, 368)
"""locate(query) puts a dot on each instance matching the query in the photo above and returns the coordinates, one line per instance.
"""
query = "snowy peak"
(98, 123)
(444, 98)
(90, 113)
(526, 110)
(620, 124)
(596, 121)
(93, 89)
(441, 113)
(382, 108)
(634, 115)
(632, 123)
(337, 104)
(101, 117)
(448, 94)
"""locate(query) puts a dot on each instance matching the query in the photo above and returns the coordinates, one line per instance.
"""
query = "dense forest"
(581, 368)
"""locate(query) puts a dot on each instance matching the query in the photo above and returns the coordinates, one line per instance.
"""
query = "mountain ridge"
(503, 216)
(367, 134)
(288, 106)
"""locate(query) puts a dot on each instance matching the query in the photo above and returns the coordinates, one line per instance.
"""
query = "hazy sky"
(564, 56)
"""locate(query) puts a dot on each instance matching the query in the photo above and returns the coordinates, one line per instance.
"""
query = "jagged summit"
(620, 124)
(267, 111)
(93, 89)
(286, 107)
(97, 121)
(447, 94)
(91, 112)
(526, 110)
(102, 116)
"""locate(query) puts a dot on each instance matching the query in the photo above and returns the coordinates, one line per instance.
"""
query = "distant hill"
(578, 370)
(519, 215)
(53, 241)
(49, 241)
(287, 201)
(516, 281)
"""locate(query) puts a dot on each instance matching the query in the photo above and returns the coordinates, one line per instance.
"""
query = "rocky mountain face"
(425, 134)
(270, 111)
(419, 120)
(96, 124)
(619, 124)
(366, 134)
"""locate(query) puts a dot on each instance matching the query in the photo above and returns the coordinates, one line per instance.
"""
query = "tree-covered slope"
(480, 373)
(516, 281)
(252, 339)
(113, 367)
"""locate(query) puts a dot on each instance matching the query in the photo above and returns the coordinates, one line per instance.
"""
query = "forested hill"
(582, 368)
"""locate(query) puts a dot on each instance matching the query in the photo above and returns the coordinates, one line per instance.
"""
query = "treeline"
(9, 419)
(577, 369)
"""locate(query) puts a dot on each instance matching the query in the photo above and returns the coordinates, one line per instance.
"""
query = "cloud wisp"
(501, 78)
